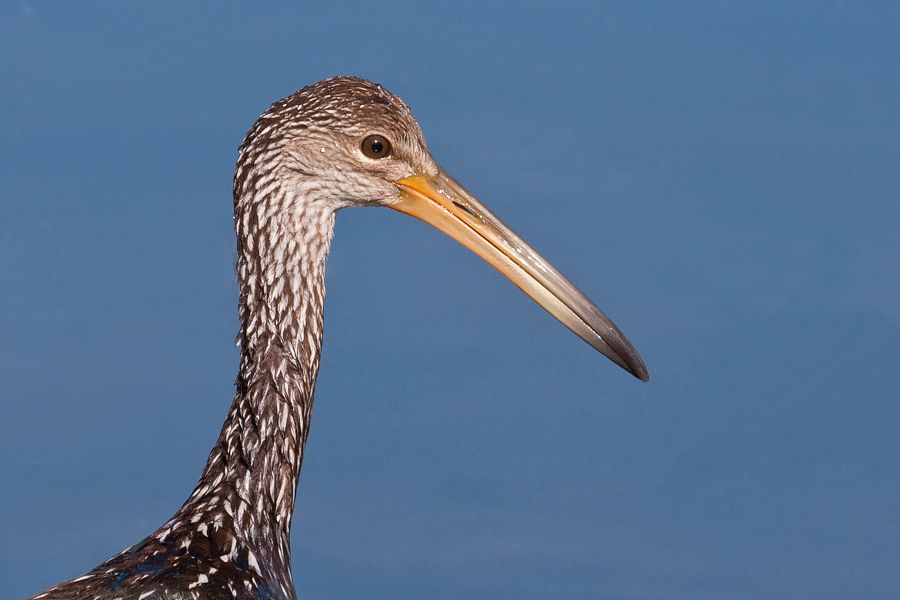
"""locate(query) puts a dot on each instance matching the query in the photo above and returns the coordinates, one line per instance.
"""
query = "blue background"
(721, 177)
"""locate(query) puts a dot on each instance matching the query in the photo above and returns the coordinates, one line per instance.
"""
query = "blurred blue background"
(721, 177)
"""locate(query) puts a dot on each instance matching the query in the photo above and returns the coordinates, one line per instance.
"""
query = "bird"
(340, 143)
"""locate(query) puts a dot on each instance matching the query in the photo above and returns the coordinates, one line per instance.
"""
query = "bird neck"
(248, 487)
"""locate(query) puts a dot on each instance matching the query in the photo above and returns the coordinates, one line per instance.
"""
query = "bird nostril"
(465, 208)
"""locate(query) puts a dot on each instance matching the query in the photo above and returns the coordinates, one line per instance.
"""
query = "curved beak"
(443, 203)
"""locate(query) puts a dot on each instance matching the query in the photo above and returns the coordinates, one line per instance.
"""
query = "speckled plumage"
(305, 158)
(296, 168)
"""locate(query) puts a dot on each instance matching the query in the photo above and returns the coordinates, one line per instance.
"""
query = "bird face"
(344, 141)
(353, 143)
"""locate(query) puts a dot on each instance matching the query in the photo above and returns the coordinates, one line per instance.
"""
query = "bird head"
(346, 141)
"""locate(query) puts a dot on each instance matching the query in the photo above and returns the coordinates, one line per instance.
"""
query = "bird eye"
(376, 146)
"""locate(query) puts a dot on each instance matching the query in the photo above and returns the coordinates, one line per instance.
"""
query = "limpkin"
(339, 143)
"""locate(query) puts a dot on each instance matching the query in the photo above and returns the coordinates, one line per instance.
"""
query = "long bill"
(443, 203)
